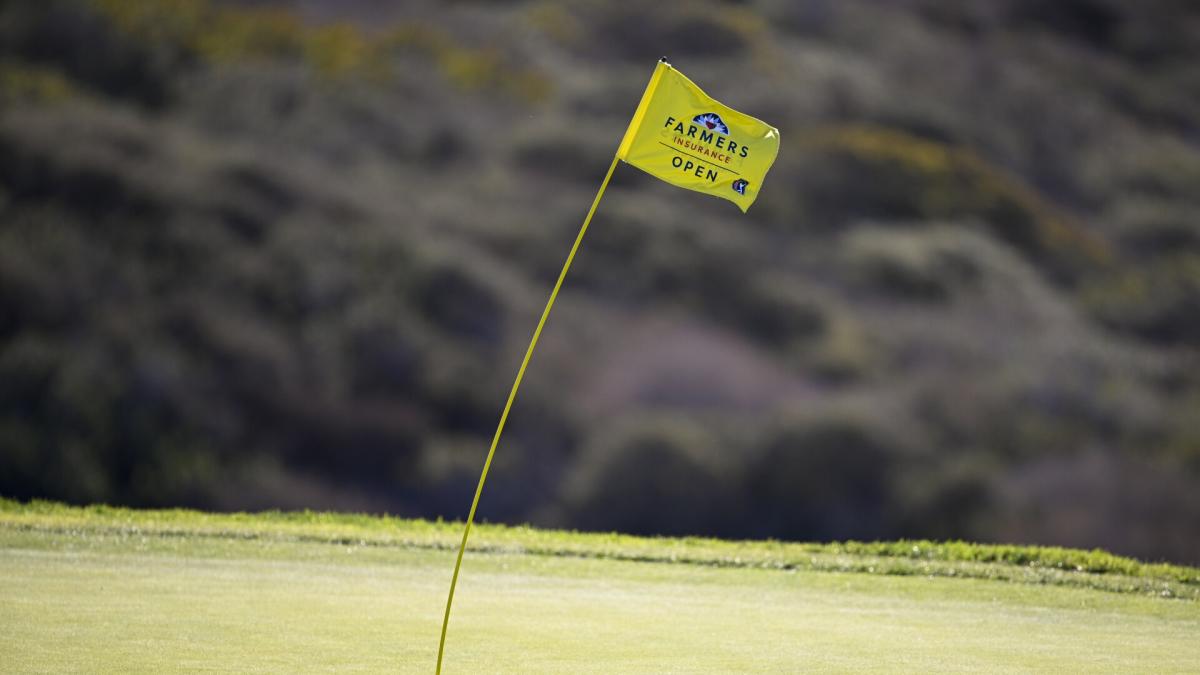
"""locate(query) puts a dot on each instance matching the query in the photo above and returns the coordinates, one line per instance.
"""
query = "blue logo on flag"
(739, 186)
(712, 122)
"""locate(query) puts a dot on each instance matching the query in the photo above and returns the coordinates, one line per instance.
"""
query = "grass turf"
(101, 589)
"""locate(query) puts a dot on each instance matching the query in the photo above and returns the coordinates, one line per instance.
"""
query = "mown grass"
(1042, 565)
(100, 589)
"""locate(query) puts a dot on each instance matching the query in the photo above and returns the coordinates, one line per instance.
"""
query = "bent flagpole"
(487, 463)
(684, 137)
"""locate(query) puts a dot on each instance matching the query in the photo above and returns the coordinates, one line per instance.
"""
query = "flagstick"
(507, 406)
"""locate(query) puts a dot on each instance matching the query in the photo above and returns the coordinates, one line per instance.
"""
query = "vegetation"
(181, 590)
(262, 255)
(1025, 564)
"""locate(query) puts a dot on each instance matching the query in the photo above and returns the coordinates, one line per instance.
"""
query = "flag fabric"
(683, 136)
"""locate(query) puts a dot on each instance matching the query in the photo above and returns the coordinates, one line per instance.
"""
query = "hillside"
(287, 255)
(117, 589)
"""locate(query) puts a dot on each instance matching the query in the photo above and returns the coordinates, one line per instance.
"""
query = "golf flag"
(683, 136)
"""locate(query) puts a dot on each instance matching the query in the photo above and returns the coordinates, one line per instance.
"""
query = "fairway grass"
(106, 590)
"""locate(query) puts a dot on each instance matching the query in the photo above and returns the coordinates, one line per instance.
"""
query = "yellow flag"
(684, 137)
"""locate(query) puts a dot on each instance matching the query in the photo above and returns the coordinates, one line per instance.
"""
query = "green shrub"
(909, 265)
(654, 476)
(824, 477)
(86, 45)
(1159, 302)
(913, 179)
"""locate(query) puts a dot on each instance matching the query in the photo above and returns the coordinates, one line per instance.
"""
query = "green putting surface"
(86, 596)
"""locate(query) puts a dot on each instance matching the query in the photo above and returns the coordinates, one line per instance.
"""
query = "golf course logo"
(712, 122)
(739, 186)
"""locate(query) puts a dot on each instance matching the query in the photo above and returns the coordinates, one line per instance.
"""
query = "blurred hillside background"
(289, 254)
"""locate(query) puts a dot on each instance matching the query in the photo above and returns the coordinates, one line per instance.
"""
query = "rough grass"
(1095, 569)
(102, 589)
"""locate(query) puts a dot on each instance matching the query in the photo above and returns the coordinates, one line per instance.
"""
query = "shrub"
(656, 476)
(460, 303)
(824, 476)
(87, 46)
(1129, 506)
(908, 265)
(1158, 301)
(640, 35)
(913, 179)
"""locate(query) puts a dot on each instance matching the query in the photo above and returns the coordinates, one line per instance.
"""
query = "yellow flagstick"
(507, 406)
(622, 149)
(683, 98)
